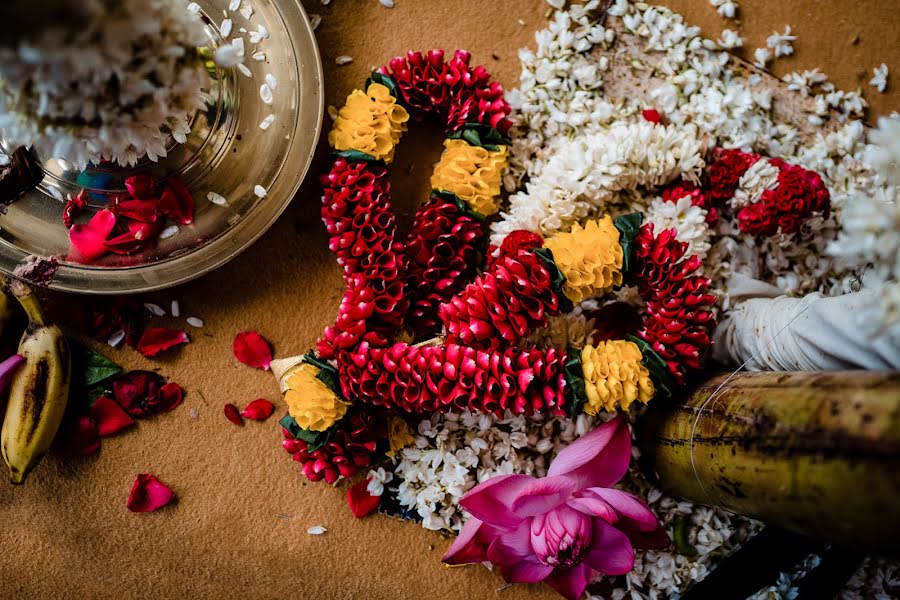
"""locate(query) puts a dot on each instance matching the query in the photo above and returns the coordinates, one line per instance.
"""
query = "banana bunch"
(38, 391)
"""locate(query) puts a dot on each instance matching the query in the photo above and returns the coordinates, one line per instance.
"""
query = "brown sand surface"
(239, 527)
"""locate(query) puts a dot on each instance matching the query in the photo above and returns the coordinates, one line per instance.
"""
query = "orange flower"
(370, 122)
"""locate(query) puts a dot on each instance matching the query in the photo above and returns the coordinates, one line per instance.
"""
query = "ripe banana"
(39, 390)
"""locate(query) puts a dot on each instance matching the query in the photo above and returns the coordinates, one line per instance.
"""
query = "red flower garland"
(800, 193)
(678, 318)
(429, 379)
(444, 250)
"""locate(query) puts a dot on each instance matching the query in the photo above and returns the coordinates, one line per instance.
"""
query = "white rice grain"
(260, 191)
(267, 122)
(265, 92)
(225, 28)
(245, 71)
(155, 309)
(176, 309)
(116, 338)
(216, 199)
(316, 529)
(271, 81)
(168, 232)
(194, 322)
(343, 60)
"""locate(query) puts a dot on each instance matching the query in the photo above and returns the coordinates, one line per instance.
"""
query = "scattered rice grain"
(246, 10)
(116, 338)
(387, 3)
(315, 21)
(271, 81)
(267, 122)
(343, 60)
(265, 92)
(225, 28)
(233, 5)
(216, 199)
(155, 309)
(245, 71)
(259, 56)
(194, 322)
(176, 309)
(316, 529)
(168, 232)
(260, 191)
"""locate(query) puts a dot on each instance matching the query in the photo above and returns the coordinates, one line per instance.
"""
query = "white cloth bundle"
(813, 333)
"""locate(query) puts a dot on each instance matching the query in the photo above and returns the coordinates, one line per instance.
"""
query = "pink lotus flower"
(564, 527)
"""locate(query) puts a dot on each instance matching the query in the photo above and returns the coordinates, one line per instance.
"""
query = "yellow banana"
(38, 392)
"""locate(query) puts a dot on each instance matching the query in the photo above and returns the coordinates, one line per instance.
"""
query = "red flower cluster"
(131, 224)
(349, 449)
(457, 92)
(503, 305)
(799, 194)
(699, 197)
(726, 171)
(356, 212)
(444, 249)
(428, 379)
(678, 321)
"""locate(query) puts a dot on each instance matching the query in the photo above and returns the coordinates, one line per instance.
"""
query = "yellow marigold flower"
(400, 435)
(613, 374)
(370, 122)
(472, 173)
(313, 404)
(590, 257)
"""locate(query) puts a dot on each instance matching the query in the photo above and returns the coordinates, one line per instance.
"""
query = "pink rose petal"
(176, 202)
(148, 494)
(89, 240)
(109, 416)
(232, 414)
(141, 186)
(158, 339)
(252, 349)
(360, 501)
(258, 410)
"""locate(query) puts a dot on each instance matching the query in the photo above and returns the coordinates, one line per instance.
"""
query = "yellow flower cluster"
(472, 173)
(589, 257)
(370, 122)
(400, 435)
(613, 374)
(312, 403)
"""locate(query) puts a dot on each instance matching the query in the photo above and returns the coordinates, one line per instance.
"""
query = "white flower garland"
(117, 88)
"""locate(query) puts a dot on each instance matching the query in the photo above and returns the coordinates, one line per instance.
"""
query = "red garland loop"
(444, 250)
(452, 89)
(678, 315)
(502, 306)
(799, 195)
(424, 380)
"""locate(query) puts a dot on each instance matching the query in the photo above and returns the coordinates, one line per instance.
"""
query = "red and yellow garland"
(341, 399)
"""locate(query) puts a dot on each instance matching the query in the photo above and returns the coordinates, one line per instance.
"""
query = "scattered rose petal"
(138, 237)
(260, 191)
(141, 186)
(651, 115)
(89, 240)
(316, 530)
(258, 410)
(259, 56)
(232, 414)
(138, 210)
(74, 207)
(159, 339)
(109, 416)
(170, 396)
(138, 392)
(360, 501)
(81, 437)
(176, 202)
(252, 349)
(148, 493)
(194, 322)
(155, 309)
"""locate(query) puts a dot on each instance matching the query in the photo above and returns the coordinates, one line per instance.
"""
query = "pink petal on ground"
(158, 339)
(170, 396)
(89, 240)
(598, 459)
(233, 414)
(141, 186)
(491, 501)
(258, 410)
(80, 437)
(176, 202)
(611, 551)
(252, 349)
(542, 495)
(148, 494)
(470, 546)
(570, 583)
(109, 416)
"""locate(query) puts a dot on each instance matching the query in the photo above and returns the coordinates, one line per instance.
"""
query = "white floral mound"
(117, 88)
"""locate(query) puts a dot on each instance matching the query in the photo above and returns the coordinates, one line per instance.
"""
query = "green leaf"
(91, 367)
(574, 373)
(681, 538)
(314, 439)
(462, 206)
(389, 83)
(356, 156)
(557, 279)
(91, 394)
(659, 371)
(628, 225)
(479, 134)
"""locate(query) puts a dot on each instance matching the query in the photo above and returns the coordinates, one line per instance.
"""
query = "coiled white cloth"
(813, 333)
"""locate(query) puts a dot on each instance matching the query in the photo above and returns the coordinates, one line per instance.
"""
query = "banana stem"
(29, 302)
